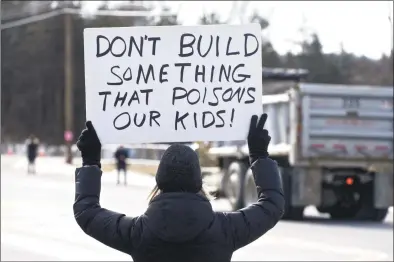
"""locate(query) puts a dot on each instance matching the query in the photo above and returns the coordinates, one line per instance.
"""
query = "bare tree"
(210, 19)
(165, 20)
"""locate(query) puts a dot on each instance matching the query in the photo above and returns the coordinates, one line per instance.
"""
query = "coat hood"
(179, 170)
(178, 217)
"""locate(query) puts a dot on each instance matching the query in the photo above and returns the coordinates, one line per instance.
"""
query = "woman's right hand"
(258, 138)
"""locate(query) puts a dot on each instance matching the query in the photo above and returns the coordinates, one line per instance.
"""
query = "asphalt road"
(37, 222)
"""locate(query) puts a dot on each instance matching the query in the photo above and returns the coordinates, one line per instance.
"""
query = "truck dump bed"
(333, 122)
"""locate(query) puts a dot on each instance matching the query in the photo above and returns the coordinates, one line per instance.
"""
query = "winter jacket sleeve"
(248, 224)
(110, 228)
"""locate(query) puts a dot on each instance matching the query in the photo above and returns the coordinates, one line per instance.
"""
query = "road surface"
(37, 222)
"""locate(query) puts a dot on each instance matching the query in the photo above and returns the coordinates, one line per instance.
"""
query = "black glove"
(89, 145)
(258, 139)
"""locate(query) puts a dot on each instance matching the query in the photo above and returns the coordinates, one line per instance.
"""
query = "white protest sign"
(173, 83)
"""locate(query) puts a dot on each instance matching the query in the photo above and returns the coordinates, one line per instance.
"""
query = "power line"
(31, 19)
(50, 14)
(19, 11)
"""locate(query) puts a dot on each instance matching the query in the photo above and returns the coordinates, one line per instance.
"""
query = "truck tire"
(372, 214)
(343, 213)
(379, 214)
(363, 210)
(235, 184)
(368, 211)
(364, 214)
(291, 212)
(222, 192)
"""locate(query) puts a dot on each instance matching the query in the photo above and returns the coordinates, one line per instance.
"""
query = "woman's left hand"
(89, 145)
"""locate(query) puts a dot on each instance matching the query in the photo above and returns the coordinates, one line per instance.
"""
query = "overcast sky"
(362, 27)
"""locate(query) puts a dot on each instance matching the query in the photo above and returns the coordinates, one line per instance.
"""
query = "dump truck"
(333, 145)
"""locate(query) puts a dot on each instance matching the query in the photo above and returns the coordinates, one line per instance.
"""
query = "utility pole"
(390, 17)
(68, 83)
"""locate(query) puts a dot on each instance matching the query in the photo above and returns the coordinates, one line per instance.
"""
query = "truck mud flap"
(306, 186)
(383, 190)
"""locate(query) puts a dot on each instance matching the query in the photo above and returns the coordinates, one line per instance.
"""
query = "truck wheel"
(343, 213)
(379, 214)
(372, 214)
(291, 212)
(250, 190)
(365, 213)
(235, 184)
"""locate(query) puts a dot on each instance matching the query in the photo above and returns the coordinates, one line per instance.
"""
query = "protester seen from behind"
(32, 144)
(121, 155)
(179, 223)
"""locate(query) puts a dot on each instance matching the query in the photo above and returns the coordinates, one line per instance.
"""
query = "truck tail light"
(349, 181)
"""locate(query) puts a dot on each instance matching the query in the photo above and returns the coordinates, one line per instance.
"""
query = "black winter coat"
(121, 155)
(32, 148)
(179, 226)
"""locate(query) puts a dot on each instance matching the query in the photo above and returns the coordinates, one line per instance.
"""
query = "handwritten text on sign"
(172, 83)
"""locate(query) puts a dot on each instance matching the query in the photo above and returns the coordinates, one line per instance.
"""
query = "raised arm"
(110, 228)
(250, 223)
